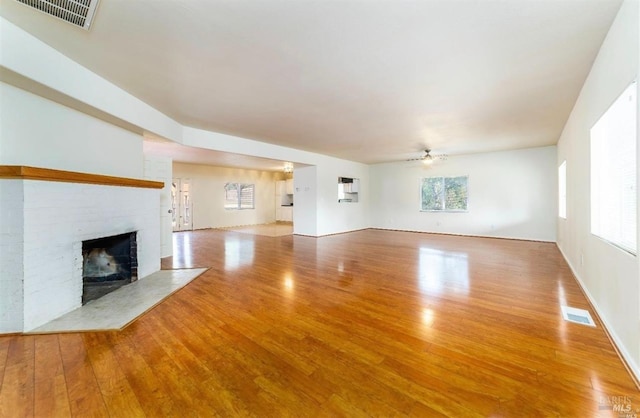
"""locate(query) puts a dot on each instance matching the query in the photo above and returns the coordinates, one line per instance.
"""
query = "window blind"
(239, 196)
(246, 196)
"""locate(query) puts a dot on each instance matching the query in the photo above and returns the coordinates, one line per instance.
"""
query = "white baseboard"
(619, 346)
(456, 234)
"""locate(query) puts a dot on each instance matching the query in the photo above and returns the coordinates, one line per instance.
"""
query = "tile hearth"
(117, 309)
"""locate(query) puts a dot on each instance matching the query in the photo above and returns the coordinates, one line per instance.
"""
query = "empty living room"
(319, 208)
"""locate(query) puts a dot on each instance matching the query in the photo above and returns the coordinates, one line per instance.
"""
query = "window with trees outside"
(613, 173)
(239, 196)
(447, 194)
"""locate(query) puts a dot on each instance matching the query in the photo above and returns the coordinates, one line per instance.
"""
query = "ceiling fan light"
(428, 160)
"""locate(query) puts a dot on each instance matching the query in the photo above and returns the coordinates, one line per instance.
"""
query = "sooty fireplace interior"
(108, 264)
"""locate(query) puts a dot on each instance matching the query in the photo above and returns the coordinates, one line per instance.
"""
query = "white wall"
(38, 132)
(609, 276)
(334, 217)
(305, 200)
(207, 183)
(161, 169)
(512, 194)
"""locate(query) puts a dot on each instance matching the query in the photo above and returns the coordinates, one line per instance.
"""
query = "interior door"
(181, 205)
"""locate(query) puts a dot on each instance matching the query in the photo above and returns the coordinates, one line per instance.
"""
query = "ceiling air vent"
(77, 12)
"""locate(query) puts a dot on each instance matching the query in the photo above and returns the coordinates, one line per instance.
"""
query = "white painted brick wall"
(11, 260)
(57, 218)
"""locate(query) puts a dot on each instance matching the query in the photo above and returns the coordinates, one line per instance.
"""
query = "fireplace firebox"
(107, 264)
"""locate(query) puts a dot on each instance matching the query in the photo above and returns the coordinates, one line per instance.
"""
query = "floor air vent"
(77, 12)
(579, 316)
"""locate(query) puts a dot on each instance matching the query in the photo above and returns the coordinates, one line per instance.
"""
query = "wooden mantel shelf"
(22, 172)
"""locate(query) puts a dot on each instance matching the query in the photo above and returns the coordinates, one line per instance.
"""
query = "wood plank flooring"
(370, 323)
(275, 229)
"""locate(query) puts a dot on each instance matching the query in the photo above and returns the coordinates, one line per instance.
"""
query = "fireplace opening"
(108, 264)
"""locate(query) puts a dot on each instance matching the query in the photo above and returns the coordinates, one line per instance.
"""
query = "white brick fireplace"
(42, 226)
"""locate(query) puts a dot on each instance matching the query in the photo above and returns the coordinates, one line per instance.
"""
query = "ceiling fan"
(428, 158)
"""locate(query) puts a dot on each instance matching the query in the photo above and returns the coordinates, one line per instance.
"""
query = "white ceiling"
(369, 81)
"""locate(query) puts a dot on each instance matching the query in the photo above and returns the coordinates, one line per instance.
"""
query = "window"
(613, 173)
(562, 190)
(239, 196)
(444, 194)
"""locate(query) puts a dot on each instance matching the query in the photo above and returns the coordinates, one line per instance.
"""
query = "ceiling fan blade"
(428, 156)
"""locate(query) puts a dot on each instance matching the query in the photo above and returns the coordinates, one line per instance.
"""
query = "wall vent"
(77, 12)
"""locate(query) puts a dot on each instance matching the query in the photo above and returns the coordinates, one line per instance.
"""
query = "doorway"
(181, 205)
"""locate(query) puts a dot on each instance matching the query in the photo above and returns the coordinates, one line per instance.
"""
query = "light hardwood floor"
(370, 323)
(276, 229)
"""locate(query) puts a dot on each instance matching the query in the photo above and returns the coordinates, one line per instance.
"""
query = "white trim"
(457, 234)
(628, 359)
